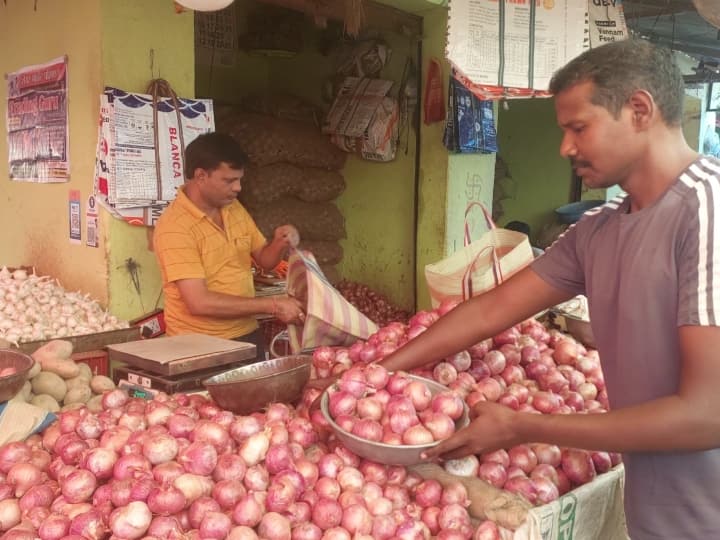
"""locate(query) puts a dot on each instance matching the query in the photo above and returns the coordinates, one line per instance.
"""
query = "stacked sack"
(293, 175)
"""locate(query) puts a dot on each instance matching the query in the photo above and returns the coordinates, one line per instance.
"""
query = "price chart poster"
(37, 123)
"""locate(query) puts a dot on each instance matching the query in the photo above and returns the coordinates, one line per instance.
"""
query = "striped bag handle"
(467, 284)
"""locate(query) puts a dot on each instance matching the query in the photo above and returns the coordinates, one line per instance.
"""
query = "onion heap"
(527, 368)
(181, 467)
(373, 305)
(394, 409)
(34, 308)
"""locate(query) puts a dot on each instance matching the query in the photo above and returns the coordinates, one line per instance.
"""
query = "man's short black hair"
(210, 150)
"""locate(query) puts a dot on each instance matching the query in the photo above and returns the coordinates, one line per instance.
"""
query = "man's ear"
(643, 108)
(199, 174)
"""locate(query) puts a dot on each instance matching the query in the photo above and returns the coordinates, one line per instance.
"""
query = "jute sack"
(480, 265)
(314, 221)
(267, 140)
(329, 318)
(263, 185)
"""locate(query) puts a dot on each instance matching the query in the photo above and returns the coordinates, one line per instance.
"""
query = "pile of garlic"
(35, 308)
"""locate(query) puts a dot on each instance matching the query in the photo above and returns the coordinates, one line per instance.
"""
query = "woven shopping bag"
(480, 265)
(329, 318)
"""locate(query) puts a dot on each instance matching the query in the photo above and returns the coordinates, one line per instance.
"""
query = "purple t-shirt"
(645, 274)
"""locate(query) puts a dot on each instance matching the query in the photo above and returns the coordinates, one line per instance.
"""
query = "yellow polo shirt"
(188, 245)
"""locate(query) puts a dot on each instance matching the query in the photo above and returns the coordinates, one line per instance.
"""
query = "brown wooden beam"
(378, 16)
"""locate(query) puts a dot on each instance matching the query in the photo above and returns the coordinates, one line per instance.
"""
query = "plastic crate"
(97, 360)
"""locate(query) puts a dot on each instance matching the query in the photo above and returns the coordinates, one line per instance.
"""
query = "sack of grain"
(269, 140)
(325, 252)
(320, 185)
(284, 106)
(262, 185)
(314, 221)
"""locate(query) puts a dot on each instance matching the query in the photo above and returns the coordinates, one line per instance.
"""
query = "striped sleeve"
(699, 253)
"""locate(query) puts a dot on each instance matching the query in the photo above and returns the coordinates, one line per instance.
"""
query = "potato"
(101, 384)
(79, 394)
(35, 369)
(80, 380)
(51, 384)
(57, 349)
(44, 401)
(85, 371)
(94, 404)
(71, 406)
(67, 369)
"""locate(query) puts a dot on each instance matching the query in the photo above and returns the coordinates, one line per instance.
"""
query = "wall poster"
(37, 123)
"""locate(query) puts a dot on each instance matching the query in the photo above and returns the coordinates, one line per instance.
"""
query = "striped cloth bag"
(329, 318)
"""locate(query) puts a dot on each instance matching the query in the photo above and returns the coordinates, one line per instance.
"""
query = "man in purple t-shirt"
(650, 266)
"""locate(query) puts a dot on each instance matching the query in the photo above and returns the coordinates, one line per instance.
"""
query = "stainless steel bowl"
(249, 388)
(10, 385)
(388, 454)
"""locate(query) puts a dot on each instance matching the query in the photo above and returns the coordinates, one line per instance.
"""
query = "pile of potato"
(56, 382)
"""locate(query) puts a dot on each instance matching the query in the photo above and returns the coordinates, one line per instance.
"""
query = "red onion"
(102, 495)
(369, 408)
(167, 472)
(278, 458)
(211, 432)
(578, 466)
(79, 486)
(256, 478)
(274, 526)
(115, 438)
(55, 527)
(429, 517)
(523, 457)
(490, 388)
(384, 527)
(444, 373)
(329, 465)
(180, 425)
(419, 395)
(307, 531)
(199, 508)
(215, 525)
(280, 496)
(229, 467)
(131, 521)
(89, 525)
(160, 449)
(546, 490)
(328, 488)
(166, 500)
(165, 527)
(368, 429)
(602, 461)
(100, 462)
(522, 486)
(401, 422)
(248, 511)
(89, 427)
(199, 458)
(357, 520)
(417, 435)
(193, 486)
(254, 448)
(349, 459)
(301, 432)
(371, 491)
(23, 476)
(428, 493)
(440, 426)
(493, 473)
(454, 493)
(350, 479)
(327, 513)
(41, 495)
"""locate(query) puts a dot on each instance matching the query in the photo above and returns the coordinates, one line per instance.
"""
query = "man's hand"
(287, 235)
(491, 429)
(289, 311)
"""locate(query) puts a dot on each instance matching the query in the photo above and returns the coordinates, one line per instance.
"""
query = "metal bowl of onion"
(252, 387)
(380, 452)
(14, 369)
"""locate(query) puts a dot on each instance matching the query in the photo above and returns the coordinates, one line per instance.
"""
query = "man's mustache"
(577, 163)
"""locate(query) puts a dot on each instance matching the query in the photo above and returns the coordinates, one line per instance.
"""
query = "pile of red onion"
(526, 368)
(180, 467)
(373, 305)
(392, 408)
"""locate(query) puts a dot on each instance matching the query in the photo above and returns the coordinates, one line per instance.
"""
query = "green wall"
(130, 33)
(433, 184)
(529, 141)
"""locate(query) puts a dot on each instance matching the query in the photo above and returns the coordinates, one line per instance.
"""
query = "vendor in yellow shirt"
(205, 242)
